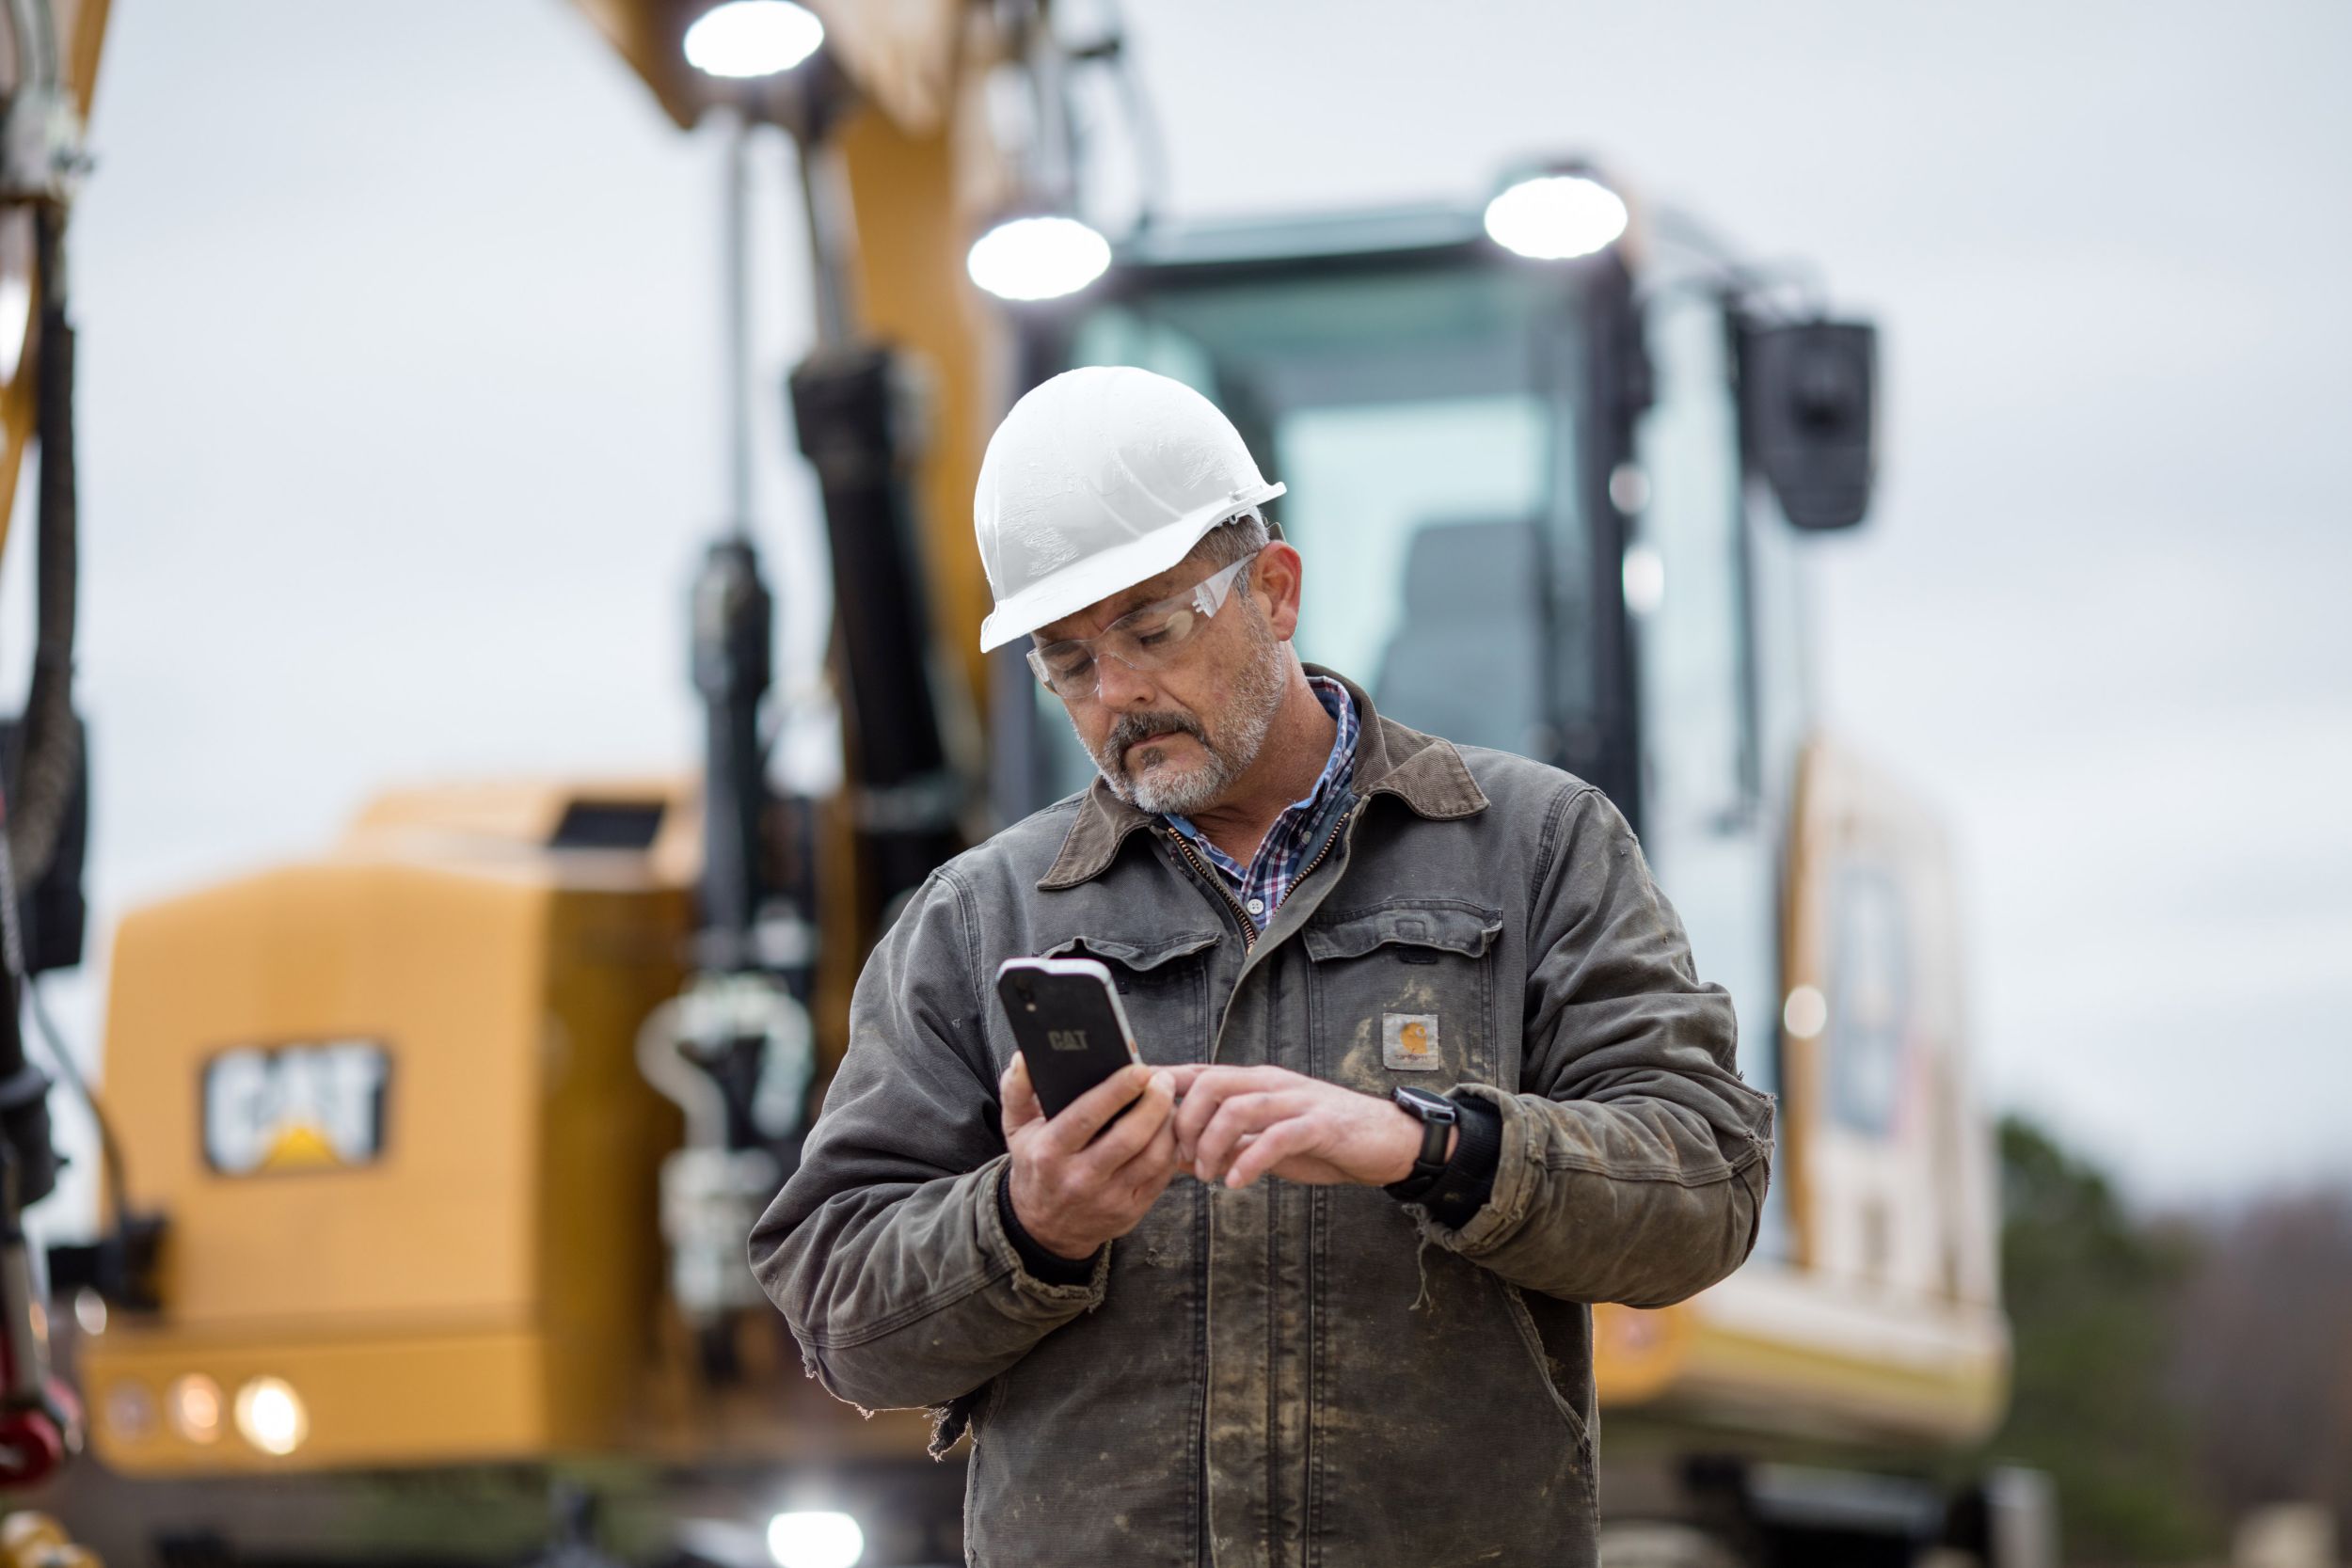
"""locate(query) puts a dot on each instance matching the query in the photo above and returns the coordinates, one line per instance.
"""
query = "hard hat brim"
(1099, 575)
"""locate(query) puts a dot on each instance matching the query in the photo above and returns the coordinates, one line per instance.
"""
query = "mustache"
(1131, 728)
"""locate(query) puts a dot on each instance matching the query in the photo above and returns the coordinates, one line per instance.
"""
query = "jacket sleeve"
(1634, 1160)
(886, 1249)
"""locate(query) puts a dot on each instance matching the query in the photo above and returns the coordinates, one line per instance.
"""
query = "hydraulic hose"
(52, 751)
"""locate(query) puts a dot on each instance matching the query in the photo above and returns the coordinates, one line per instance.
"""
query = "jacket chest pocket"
(1163, 988)
(1402, 994)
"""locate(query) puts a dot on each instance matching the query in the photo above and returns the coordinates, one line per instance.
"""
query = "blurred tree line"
(2174, 1371)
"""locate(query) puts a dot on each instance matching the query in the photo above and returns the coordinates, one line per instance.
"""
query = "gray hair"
(1231, 539)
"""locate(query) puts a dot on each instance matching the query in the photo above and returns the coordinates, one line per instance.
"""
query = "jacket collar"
(1421, 770)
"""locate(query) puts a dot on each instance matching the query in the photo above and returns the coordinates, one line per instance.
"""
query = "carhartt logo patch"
(1408, 1041)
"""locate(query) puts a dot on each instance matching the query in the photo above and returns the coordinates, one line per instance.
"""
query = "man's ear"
(1275, 579)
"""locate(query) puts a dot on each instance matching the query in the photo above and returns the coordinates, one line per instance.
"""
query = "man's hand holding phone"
(1072, 1190)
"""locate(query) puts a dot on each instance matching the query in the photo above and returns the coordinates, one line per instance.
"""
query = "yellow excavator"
(431, 1156)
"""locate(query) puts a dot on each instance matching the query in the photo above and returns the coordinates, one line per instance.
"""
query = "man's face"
(1177, 739)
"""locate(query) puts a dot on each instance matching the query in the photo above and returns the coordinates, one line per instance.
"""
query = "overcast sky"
(401, 432)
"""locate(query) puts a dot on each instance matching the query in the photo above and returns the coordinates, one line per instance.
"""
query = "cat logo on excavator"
(294, 1108)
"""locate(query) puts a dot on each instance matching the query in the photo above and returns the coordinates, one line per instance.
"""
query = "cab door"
(1718, 713)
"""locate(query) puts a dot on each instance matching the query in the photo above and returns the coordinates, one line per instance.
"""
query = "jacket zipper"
(1248, 927)
(1330, 839)
(1249, 941)
(1309, 1499)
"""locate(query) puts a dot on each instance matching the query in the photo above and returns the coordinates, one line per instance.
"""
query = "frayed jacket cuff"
(1519, 1171)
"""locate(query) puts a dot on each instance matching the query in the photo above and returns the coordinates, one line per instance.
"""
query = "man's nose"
(1120, 685)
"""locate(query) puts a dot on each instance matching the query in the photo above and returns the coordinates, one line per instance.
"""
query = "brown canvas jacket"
(1286, 1375)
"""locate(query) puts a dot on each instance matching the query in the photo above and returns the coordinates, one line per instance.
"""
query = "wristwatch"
(1438, 1116)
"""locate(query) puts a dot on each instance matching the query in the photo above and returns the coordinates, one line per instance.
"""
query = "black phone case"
(1066, 1029)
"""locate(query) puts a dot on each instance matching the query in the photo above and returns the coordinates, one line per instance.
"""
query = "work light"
(1038, 258)
(1556, 216)
(271, 1417)
(815, 1539)
(743, 39)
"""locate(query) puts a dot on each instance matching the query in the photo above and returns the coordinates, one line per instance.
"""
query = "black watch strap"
(1464, 1183)
(1438, 1116)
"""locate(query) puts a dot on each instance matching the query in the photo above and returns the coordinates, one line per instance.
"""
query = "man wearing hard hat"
(1427, 1071)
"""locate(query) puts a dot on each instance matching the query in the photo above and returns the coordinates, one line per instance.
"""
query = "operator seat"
(1466, 661)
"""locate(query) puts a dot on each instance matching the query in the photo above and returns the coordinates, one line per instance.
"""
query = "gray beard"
(1257, 697)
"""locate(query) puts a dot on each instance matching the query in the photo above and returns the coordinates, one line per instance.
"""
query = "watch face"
(1424, 1104)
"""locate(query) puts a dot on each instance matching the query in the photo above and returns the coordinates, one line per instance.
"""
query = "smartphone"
(1067, 1020)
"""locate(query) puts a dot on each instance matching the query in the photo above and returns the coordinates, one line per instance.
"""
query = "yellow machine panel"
(391, 1104)
(1885, 1325)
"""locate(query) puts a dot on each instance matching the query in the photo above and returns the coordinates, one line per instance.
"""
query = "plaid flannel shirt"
(1261, 885)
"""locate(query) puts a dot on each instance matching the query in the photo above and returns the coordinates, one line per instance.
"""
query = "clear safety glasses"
(1145, 639)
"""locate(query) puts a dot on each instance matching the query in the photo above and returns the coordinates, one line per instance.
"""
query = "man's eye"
(1168, 629)
(1070, 666)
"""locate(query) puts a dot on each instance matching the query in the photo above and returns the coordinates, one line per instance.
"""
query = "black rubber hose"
(52, 741)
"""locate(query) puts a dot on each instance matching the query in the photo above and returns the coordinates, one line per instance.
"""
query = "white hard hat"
(1097, 480)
